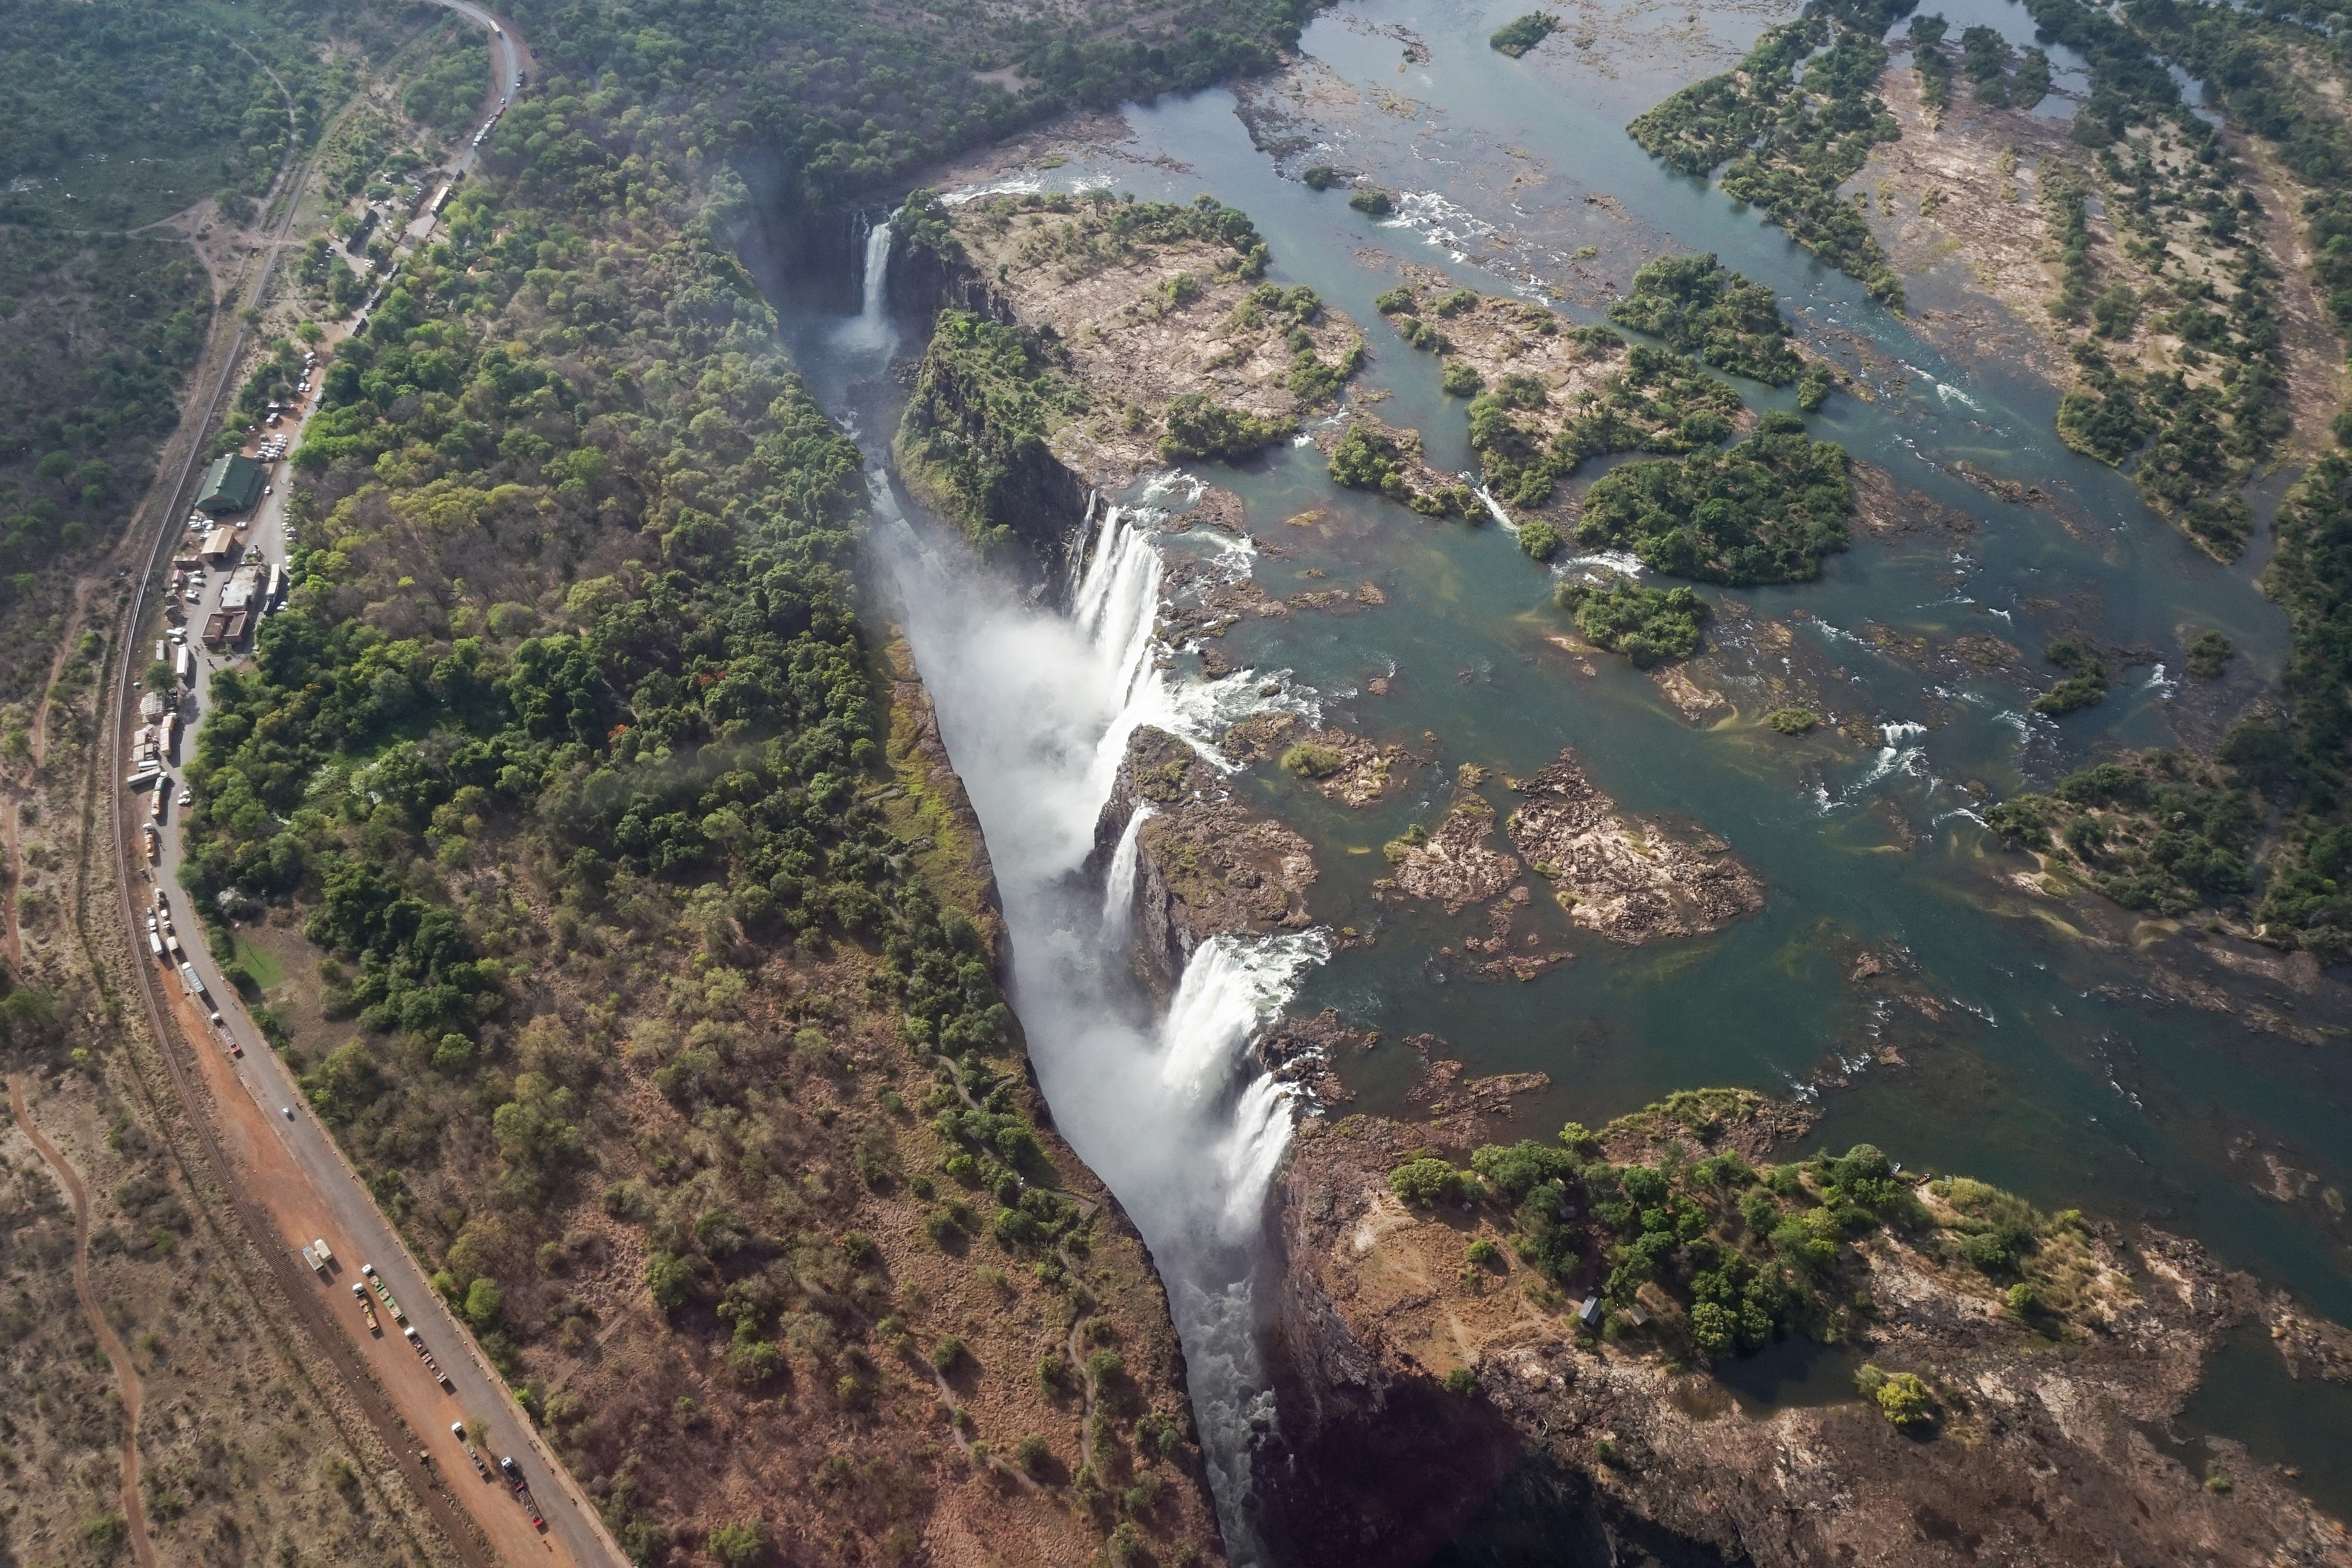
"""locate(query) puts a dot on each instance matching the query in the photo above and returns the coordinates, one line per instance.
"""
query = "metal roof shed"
(232, 484)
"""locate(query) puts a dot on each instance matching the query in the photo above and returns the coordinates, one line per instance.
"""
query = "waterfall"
(1036, 707)
(871, 331)
(1118, 884)
(1232, 985)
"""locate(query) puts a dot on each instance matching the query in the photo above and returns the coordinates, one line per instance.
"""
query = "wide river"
(2053, 1068)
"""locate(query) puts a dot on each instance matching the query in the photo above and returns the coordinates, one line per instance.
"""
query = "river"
(2048, 1065)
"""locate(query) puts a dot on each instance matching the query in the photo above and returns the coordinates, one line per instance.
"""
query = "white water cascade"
(1118, 881)
(1037, 707)
(871, 331)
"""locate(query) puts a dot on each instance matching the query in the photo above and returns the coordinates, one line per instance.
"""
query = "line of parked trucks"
(322, 1262)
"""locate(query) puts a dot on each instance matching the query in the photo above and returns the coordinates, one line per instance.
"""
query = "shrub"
(1900, 1397)
(1461, 1381)
(1649, 625)
(1426, 1181)
(1320, 177)
(1033, 1455)
(2210, 654)
(1373, 202)
(1516, 37)
(1792, 721)
(1461, 379)
(1481, 1253)
(1201, 426)
(741, 1545)
(1540, 538)
(948, 1352)
(1312, 762)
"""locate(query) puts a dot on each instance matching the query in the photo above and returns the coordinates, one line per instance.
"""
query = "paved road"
(286, 1166)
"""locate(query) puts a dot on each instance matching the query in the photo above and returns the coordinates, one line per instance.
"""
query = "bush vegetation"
(1659, 402)
(1516, 37)
(1649, 625)
(1201, 426)
(1766, 511)
(2162, 832)
(1794, 122)
(1699, 307)
(2086, 684)
(1727, 1259)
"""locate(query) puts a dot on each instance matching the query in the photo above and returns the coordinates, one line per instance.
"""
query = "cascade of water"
(1231, 986)
(1118, 885)
(1036, 709)
(871, 331)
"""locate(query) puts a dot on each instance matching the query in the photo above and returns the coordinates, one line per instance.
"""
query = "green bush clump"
(1373, 202)
(1767, 511)
(1900, 1397)
(1519, 35)
(1699, 307)
(1370, 458)
(2086, 678)
(1312, 762)
(2209, 656)
(1649, 625)
(2170, 835)
(1792, 721)
(1659, 402)
(1320, 177)
(1461, 379)
(1427, 1182)
(1461, 1381)
(1198, 426)
(1793, 139)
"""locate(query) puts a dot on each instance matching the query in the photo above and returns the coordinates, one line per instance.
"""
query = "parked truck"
(481, 1465)
(367, 1309)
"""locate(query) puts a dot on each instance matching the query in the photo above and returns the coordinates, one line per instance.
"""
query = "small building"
(219, 545)
(245, 588)
(216, 628)
(232, 484)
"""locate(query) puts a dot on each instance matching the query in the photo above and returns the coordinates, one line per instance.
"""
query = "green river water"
(2053, 1070)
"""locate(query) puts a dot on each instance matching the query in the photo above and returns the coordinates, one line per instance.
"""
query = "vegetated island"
(1544, 396)
(1487, 1344)
(1099, 338)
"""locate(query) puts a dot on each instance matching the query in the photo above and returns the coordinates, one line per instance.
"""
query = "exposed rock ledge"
(1630, 880)
(1377, 1463)
(1205, 864)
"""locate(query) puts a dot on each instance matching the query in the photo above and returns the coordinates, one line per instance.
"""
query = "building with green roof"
(232, 484)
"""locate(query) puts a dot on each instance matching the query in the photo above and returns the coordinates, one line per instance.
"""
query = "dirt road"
(126, 1374)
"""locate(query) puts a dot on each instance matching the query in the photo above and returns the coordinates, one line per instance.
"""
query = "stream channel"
(2048, 1065)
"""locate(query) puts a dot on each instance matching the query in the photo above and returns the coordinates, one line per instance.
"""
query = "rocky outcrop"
(1630, 880)
(1563, 1448)
(1205, 864)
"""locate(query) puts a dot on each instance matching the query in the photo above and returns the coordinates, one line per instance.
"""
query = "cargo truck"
(367, 1309)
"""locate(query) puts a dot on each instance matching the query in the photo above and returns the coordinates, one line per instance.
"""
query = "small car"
(186, 800)
(286, 1111)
